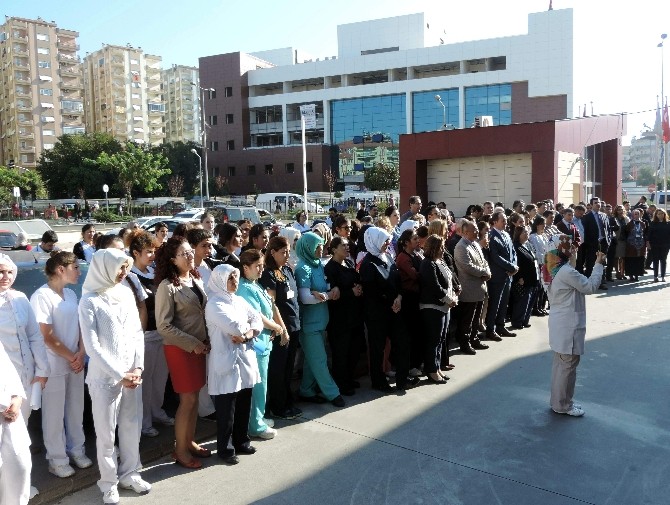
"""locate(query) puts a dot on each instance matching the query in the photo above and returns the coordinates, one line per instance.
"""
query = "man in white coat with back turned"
(567, 319)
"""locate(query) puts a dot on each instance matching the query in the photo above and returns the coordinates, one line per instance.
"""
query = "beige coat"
(180, 317)
(471, 266)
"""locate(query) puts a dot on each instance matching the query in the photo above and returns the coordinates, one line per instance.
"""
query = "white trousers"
(154, 378)
(205, 403)
(116, 406)
(15, 463)
(63, 417)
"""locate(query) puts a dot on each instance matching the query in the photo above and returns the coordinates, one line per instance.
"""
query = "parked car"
(193, 213)
(267, 218)
(232, 214)
(171, 223)
(7, 239)
(172, 207)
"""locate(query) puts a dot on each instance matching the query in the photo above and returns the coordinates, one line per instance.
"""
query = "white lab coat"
(567, 318)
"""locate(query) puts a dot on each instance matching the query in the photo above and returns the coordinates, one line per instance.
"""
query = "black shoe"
(479, 346)
(441, 380)
(492, 335)
(355, 384)
(537, 313)
(245, 449)
(232, 460)
(409, 384)
(527, 325)
(286, 414)
(338, 401)
(312, 399)
(512, 328)
(603, 287)
(347, 391)
(295, 411)
(466, 349)
(504, 332)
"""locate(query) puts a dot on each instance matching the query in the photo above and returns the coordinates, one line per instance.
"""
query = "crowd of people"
(219, 312)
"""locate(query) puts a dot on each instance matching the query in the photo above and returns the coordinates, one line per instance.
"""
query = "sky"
(617, 64)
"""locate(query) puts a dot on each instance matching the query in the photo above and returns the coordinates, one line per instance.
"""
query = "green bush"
(102, 216)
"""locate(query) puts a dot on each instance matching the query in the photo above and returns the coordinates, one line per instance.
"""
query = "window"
(268, 169)
(156, 107)
(290, 168)
(72, 130)
(101, 62)
(230, 145)
(49, 133)
(228, 91)
(231, 171)
(134, 62)
(70, 105)
(213, 146)
(46, 91)
(42, 50)
(47, 146)
(135, 96)
(251, 170)
(230, 119)
(136, 84)
(42, 36)
(309, 167)
(212, 94)
(213, 120)
(44, 64)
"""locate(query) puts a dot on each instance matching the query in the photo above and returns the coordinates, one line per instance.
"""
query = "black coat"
(434, 281)
(526, 263)
(659, 234)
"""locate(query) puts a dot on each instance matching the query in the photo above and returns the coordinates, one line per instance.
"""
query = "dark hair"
(432, 208)
(181, 230)
(165, 268)
(580, 207)
(431, 248)
(414, 199)
(517, 233)
(275, 244)
(197, 235)
(422, 231)
(139, 240)
(339, 221)
(538, 221)
(335, 243)
(58, 259)
(530, 206)
(298, 214)
(390, 210)
(87, 227)
(404, 239)
(495, 217)
(227, 232)
(355, 230)
(205, 216)
(49, 236)
(105, 241)
(248, 258)
(256, 231)
(159, 226)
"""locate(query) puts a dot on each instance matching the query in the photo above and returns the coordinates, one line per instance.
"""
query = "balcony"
(25, 122)
(68, 58)
(21, 39)
(70, 45)
(69, 71)
(68, 85)
(22, 79)
(26, 149)
(26, 135)
(24, 107)
(20, 51)
(21, 65)
(118, 62)
(22, 92)
(73, 112)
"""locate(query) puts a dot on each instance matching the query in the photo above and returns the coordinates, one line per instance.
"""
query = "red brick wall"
(541, 108)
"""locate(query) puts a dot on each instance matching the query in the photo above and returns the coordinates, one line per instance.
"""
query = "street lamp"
(204, 131)
(438, 98)
(665, 154)
(200, 165)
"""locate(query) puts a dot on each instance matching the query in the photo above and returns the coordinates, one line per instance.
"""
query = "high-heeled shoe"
(200, 452)
(441, 380)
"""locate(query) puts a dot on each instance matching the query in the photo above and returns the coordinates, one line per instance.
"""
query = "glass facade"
(427, 112)
(494, 100)
(367, 131)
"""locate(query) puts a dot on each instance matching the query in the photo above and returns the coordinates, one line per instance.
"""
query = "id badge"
(290, 294)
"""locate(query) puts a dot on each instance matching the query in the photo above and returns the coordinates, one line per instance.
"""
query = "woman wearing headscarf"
(180, 319)
(114, 341)
(567, 319)
(233, 327)
(20, 336)
(382, 301)
(56, 310)
(313, 292)
(15, 459)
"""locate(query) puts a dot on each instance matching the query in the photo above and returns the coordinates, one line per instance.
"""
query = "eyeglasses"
(186, 254)
(247, 230)
(347, 227)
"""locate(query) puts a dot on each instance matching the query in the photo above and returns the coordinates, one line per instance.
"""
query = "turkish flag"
(666, 124)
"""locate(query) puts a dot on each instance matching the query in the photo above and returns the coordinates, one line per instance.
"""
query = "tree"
(28, 181)
(645, 176)
(182, 162)
(382, 177)
(175, 185)
(135, 166)
(64, 170)
(330, 178)
(221, 185)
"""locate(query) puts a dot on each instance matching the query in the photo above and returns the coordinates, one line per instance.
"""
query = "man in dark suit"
(568, 227)
(596, 236)
(502, 261)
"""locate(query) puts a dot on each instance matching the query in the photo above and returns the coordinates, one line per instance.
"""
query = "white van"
(287, 202)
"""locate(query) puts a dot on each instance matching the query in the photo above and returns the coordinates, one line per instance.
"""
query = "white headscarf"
(374, 239)
(6, 260)
(101, 276)
(408, 225)
(290, 234)
(218, 280)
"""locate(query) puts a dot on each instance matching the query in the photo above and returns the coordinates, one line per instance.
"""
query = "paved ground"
(486, 437)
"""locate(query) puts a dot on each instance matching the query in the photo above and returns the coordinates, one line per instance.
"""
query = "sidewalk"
(488, 436)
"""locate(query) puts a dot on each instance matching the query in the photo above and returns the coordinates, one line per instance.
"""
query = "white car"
(193, 214)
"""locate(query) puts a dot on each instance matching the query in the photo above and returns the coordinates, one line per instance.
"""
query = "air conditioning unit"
(481, 121)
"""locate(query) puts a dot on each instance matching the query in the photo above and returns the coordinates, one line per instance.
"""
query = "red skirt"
(187, 369)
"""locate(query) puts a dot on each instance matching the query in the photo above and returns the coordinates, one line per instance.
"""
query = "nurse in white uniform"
(114, 341)
(55, 308)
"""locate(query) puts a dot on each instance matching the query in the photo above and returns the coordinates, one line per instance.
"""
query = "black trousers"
(435, 323)
(345, 348)
(468, 315)
(659, 255)
(280, 371)
(381, 322)
(413, 322)
(232, 421)
(498, 301)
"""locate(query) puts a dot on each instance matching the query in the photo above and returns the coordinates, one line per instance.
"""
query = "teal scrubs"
(256, 296)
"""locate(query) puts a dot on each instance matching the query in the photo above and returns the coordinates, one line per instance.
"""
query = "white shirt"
(62, 314)
(205, 273)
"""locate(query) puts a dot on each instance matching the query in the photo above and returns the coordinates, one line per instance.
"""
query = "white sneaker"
(269, 422)
(150, 432)
(111, 496)
(61, 471)
(268, 434)
(135, 483)
(33, 492)
(575, 411)
(82, 461)
(415, 372)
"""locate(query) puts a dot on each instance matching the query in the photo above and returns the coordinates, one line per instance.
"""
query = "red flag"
(666, 124)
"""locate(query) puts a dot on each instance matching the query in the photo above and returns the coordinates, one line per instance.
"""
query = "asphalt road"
(486, 437)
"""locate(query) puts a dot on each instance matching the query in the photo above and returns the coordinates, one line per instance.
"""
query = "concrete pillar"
(326, 122)
(409, 108)
(410, 73)
(461, 106)
(284, 124)
(327, 82)
(287, 86)
(345, 80)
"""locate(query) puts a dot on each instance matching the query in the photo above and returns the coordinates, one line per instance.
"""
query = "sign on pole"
(308, 112)
(307, 120)
(17, 192)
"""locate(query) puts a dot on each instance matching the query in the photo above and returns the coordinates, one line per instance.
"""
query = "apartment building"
(123, 94)
(383, 83)
(181, 91)
(41, 96)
